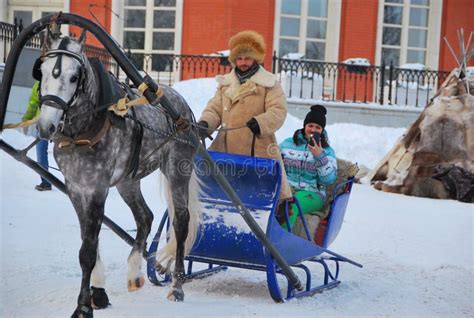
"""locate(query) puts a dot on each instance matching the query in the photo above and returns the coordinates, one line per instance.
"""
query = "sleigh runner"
(236, 187)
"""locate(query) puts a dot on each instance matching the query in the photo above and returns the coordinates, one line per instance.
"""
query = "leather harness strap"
(22, 124)
(85, 139)
(182, 123)
(124, 104)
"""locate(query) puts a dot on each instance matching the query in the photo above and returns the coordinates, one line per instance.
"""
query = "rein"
(160, 132)
(218, 129)
(22, 124)
(254, 138)
(121, 108)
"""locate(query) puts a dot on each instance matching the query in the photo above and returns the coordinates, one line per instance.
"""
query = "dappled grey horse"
(94, 156)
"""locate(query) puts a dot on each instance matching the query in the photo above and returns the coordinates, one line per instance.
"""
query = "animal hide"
(435, 156)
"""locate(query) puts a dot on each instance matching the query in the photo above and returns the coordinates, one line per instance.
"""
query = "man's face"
(244, 63)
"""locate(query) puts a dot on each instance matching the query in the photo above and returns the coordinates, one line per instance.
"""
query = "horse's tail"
(165, 257)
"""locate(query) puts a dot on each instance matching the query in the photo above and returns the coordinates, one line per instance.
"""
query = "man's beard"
(245, 68)
(248, 73)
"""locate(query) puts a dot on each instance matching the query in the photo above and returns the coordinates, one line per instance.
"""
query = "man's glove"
(252, 124)
(202, 131)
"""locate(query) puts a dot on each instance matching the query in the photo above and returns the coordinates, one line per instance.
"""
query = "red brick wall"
(456, 14)
(258, 16)
(358, 38)
(208, 24)
(358, 35)
(100, 9)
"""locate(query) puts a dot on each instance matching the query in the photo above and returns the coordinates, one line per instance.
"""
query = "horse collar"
(88, 139)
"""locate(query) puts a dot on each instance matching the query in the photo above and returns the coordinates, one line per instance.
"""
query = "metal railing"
(9, 32)
(303, 79)
(170, 68)
(307, 79)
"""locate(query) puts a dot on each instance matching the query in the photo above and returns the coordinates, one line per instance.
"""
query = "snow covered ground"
(417, 253)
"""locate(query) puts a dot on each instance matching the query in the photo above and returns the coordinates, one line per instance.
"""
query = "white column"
(66, 9)
(434, 31)
(4, 11)
(333, 29)
(116, 24)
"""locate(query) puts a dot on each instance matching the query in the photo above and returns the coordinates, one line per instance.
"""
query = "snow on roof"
(224, 53)
(414, 66)
(357, 61)
(219, 53)
(293, 56)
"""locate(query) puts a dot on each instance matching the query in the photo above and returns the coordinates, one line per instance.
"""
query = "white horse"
(70, 114)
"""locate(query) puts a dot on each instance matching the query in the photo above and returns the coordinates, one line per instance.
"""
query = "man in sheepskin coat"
(248, 97)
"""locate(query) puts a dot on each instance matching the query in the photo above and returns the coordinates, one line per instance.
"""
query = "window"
(302, 28)
(150, 32)
(23, 17)
(28, 13)
(405, 30)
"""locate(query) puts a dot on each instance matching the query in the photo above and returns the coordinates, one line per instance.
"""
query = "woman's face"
(311, 128)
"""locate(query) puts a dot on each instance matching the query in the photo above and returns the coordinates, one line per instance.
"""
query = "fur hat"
(248, 44)
(316, 115)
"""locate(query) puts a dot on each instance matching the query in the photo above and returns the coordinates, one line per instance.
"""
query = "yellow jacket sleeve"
(33, 104)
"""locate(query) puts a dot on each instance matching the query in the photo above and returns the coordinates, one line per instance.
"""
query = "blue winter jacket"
(306, 171)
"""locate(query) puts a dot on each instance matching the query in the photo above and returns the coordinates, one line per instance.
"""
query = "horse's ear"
(46, 40)
(82, 38)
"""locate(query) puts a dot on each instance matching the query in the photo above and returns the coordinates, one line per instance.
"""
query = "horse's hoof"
(134, 285)
(161, 269)
(175, 295)
(99, 298)
(83, 312)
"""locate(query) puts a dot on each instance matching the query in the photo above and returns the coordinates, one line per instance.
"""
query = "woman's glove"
(252, 124)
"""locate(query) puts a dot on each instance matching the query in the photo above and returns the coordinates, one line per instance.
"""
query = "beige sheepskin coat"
(233, 105)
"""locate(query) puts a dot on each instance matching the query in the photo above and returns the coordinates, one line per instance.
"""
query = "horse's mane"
(108, 89)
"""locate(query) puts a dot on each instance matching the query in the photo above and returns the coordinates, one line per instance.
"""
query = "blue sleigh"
(225, 240)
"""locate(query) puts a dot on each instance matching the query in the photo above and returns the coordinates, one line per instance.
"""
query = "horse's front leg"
(89, 207)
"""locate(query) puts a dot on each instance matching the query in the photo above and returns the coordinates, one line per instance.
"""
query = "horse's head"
(62, 79)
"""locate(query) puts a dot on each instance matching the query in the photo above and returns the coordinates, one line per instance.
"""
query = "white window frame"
(433, 37)
(36, 7)
(117, 31)
(333, 26)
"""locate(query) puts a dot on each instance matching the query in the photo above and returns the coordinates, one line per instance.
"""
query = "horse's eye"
(74, 79)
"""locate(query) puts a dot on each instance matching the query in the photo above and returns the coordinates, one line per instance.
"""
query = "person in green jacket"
(33, 110)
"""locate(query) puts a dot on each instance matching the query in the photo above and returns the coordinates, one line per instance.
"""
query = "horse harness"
(118, 101)
(53, 100)
(119, 106)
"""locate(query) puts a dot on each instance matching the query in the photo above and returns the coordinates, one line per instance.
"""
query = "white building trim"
(433, 34)
(333, 27)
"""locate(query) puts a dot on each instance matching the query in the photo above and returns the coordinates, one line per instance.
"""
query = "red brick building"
(401, 31)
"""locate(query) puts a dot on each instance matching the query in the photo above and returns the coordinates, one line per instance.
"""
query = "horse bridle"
(53, 100)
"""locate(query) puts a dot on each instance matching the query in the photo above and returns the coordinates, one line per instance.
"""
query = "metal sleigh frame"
(273, 248)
